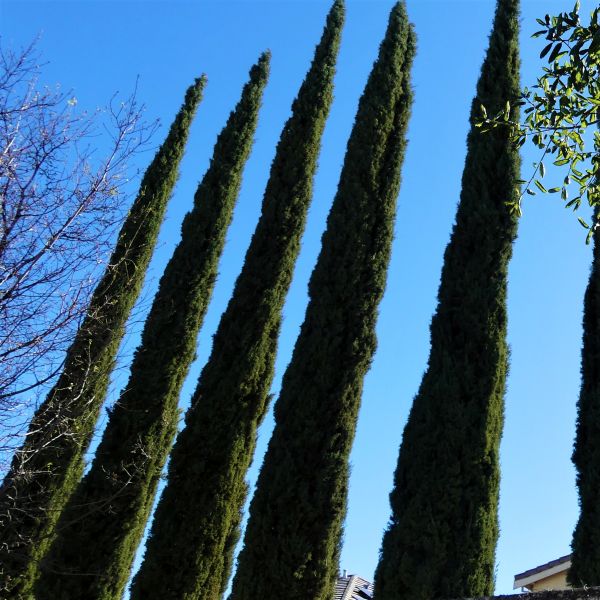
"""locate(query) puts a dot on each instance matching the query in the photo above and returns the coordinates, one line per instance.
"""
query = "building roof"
(550, 568)
(353, 587)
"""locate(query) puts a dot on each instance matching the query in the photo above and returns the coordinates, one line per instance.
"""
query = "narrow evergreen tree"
(585, 558)
(293, 537)
(47, 468)
(196, 525)
(102, 525)
(441, 539)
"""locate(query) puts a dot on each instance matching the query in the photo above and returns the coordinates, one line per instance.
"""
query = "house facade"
(549, 576)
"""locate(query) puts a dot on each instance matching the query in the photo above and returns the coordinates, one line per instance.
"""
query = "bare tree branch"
(61, 200)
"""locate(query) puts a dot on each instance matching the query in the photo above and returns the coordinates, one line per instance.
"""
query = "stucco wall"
(558, 581)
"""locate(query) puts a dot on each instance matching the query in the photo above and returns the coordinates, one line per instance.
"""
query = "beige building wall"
(558, 581)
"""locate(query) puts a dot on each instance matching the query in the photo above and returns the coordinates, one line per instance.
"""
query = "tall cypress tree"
(441, 539)
(196, 525)
(102, 525)
(293, 537)
(45, 471)
(585, 558)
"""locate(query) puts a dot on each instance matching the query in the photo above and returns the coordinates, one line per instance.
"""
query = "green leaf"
(595, 45)
(583, 223)
(575, 203)
(554, 53)
(540, 186)
(546, 50)
(542, 170)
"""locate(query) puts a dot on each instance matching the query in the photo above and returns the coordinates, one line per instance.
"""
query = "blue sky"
(97, 48)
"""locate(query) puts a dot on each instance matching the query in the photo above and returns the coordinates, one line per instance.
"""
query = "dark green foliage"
(196, 525)
(293, 537)
(46, 469)
(441, 539)
(103, 523)
(231, 542)
(585, 558)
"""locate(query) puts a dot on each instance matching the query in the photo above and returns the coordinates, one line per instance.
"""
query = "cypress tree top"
(441, 539)
(292, 541)
(92, 556)
(33, 495)
(189, 552)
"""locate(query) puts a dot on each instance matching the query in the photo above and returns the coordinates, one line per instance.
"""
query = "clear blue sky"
(99, 47)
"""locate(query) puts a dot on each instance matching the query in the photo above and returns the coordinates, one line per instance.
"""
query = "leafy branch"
(559, 110)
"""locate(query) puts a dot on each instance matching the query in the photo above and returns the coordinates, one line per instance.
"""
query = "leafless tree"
(63, 183)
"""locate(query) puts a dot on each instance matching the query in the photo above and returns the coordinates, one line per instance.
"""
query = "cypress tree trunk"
(47, 468)
(293, 537)
(585, 558)
(196, 525)
(104, 520)
(441, 539)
